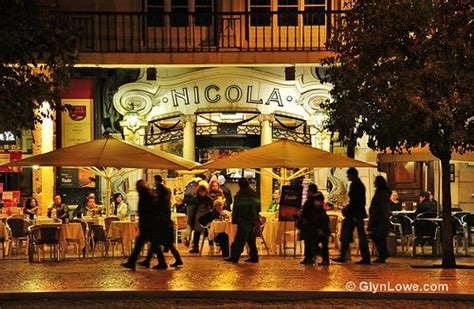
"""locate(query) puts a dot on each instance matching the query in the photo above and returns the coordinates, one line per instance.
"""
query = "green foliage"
(403, 75)
(37, 52)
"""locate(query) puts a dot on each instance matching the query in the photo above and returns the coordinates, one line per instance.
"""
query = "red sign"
(13, 156)
(77, 112)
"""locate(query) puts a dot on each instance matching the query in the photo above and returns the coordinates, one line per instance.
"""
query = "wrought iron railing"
(204, 32)
(278, 133)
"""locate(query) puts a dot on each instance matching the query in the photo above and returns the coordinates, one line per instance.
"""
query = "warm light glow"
(35, 167)
(132, 120)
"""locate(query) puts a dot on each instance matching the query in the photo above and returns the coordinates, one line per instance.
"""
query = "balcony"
(204, 37)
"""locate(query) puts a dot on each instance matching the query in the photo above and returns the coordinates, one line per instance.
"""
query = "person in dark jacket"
(314, 229)
(245, 214)
(164, 225)
(201, 205)
(379, 218)
(395, 204)
(425, 204)
(354, 214)
(147, 224)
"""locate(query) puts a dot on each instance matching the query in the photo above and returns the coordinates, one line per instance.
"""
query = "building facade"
(203, 78)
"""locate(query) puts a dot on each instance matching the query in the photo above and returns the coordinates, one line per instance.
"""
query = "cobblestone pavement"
(208, 275)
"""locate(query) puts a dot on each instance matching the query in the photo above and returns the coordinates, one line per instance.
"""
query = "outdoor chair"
(18, 228)
(460, 234)
(85, 229)
(259, 233)
(45, 235)
(333, 231)
(3, 237)
(460, 215)
(99, 236)
(401, 226)
(468, 221)
(108, 222)
(427, 215)
(424, 231)
(181, 226)
(456, 209)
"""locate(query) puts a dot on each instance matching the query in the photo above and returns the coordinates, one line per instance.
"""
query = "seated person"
(395, 204)
(120, 207)
(31, 208)
(218, 213)
(81, 210)
(275, 203)
(179, 205)
(425, 204)
(92, 209)
(58, 209)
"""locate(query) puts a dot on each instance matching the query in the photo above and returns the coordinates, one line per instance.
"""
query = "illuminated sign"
(7, 138)
(232, 94)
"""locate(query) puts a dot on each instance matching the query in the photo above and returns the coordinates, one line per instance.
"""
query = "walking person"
(147, 227)
(165, 227)
(245, 214)
(314, 228)
(354, 214)
(379, 218)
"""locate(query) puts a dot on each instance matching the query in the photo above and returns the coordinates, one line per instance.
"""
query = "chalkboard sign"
(290, 203)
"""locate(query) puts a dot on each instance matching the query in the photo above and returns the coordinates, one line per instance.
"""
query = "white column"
(43, 178)
(266, 137)
(134, 132)
(189, 144)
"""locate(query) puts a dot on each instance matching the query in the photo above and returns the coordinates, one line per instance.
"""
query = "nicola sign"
(229, 94)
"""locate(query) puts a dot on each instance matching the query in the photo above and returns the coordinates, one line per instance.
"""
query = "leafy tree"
(403, 76)
(37, 54)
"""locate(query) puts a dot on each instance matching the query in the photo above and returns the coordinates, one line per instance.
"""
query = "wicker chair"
(18, 228)
(45, 235)
(99, 236)
(424, 231)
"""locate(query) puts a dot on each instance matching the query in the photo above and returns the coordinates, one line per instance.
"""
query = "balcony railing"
(204, 32)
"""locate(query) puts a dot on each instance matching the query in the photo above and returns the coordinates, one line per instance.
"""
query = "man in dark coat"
(379, 219)
(426, 205)
(147, 224)
(314, 229)
(354, 214)
(245, 214)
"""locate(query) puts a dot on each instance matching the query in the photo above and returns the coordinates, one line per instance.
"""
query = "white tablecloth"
(227, 227)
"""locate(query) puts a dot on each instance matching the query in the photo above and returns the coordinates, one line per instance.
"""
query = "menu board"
(290, 203)
(78, 127)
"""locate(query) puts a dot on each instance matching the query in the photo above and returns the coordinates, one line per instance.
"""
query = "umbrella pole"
(108, 193)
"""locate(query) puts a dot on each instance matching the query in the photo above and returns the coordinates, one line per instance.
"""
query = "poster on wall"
(11, 198)
(290, 203)
(77, 121)
(77, 127)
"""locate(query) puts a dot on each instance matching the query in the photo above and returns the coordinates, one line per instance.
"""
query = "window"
(260, 12)
(287, 12)
(314, 12)
(203, 12)
(155, 16)
(179, 13)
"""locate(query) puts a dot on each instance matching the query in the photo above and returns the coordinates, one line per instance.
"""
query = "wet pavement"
(206, 281)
